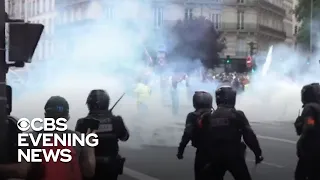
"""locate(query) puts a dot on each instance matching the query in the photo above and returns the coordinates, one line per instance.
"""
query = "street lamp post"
(311, 25)
(3, 71)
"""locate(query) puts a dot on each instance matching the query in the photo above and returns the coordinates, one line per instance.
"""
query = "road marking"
(140, 176)
(267, 163)
(277, 139)
(137, 175)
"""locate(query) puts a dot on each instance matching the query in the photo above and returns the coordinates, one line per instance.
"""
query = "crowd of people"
(220, 136)
(169, 86)
(239, 81)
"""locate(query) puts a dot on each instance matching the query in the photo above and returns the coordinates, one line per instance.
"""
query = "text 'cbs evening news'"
(49, 142)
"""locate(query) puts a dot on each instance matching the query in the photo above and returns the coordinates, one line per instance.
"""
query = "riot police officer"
(110, 130)
(202, 102)
(308, 128)
(223, 130)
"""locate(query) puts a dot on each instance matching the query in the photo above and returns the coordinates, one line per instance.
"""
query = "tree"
(196, 39)
(302, 13)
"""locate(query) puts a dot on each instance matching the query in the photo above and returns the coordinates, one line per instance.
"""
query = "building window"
(188, 14)
(78, 13)
(23, 4)
(46, 5)
(51, 48)
(240, 20)
(31, 8)
(264, 21)
(34, 5)
(240, 1)
(242, 47)
(50, 26)
(64, 17)
(46, 29)
(37, 7)
(109, 13)
(41, 6)
(216, 20)
(51, 5)
(72, 16)
(28, 8)
(158, 17)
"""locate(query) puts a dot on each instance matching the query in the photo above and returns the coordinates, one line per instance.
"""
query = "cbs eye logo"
(23, 124)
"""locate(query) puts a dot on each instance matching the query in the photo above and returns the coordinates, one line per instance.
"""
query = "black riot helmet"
(226, 95)
(201, 100)
(98, 99)
(310, 93)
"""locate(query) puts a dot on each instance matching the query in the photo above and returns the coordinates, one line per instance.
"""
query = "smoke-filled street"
(145, 78)
(160, 162)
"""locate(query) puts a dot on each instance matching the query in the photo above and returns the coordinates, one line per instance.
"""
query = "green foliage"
(303, 36)
(197, 39)
(302, 10)
(302, 13)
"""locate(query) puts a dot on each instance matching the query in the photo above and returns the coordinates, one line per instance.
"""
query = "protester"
(82, 163)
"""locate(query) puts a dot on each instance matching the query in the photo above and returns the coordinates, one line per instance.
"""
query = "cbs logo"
(46, 124)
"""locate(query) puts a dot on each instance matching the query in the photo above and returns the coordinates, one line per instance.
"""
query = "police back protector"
(108, 140)
(197, 133)
(223, 128)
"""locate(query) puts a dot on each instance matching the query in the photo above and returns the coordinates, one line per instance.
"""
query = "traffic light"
(22, 40)
(295, 30)
(252, 47)
(228, 60)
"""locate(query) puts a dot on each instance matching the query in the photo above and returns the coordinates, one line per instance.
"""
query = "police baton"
(117, 102)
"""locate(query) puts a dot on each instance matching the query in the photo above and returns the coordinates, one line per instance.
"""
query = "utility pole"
(252, 48)
(311, 26)
(3, 71)
(21, 44)
(250, 62)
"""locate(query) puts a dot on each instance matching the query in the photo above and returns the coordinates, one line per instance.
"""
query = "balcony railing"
(64, 3)
(272, 7)
(251, 27)
(237, 27)
(262, 3)
(271, 31)
(239, 2)
(242, 53)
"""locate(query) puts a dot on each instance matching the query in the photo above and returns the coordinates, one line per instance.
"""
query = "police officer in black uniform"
(202, 102)
(223, 130)
(111, 129)
(308, 128)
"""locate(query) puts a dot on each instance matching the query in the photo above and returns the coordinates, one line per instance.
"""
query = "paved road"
(159, 162)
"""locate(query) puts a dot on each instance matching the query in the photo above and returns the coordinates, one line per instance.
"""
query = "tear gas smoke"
(108, 55)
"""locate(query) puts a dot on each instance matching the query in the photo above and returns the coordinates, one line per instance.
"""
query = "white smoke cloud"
(108, 56)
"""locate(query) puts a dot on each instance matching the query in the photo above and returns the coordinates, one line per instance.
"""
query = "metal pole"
(3, 71)
(311, 25)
